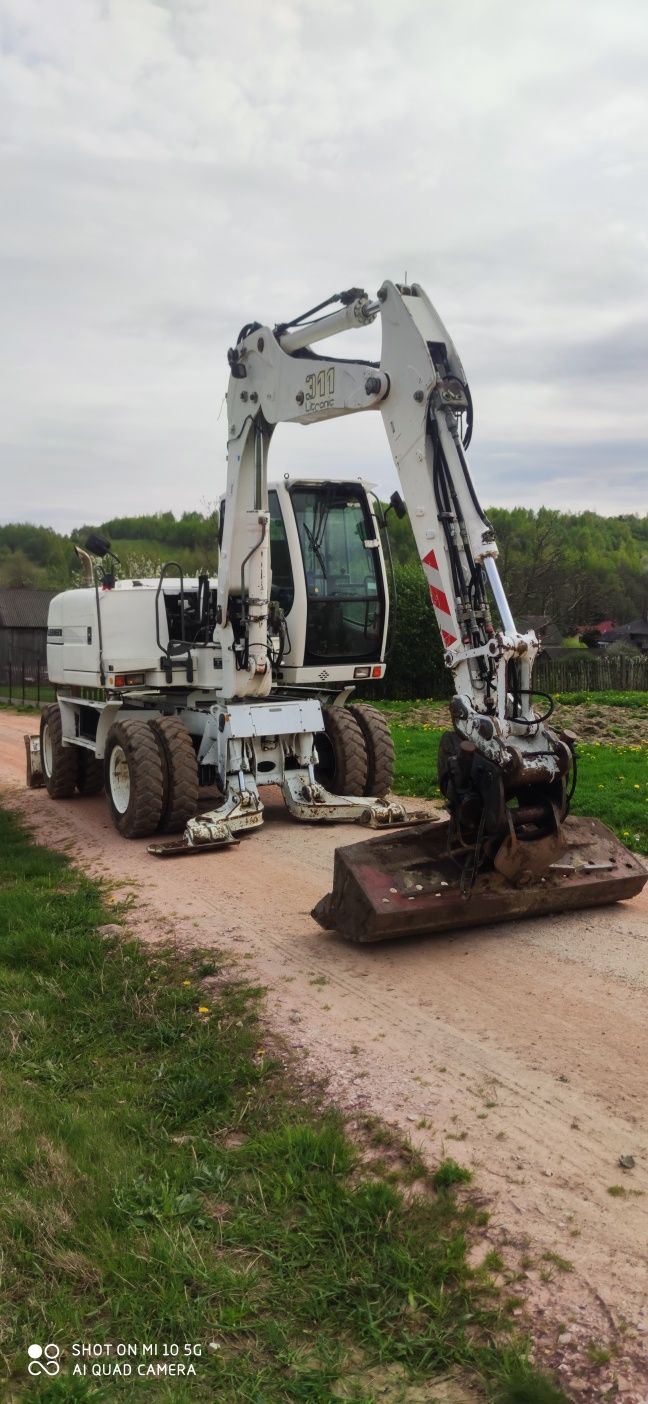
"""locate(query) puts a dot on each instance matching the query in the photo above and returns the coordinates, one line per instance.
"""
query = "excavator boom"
(508, 848)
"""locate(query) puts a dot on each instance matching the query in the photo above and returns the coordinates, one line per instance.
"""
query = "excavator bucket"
(406, 884)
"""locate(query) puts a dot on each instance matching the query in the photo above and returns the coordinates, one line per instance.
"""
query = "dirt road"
(520, 1051)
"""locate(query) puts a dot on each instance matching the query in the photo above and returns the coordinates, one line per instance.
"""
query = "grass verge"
(38, 695)
(162, 1182)
(635, 701)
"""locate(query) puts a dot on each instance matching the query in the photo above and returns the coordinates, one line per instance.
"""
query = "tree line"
(39, 557)
(574, 568)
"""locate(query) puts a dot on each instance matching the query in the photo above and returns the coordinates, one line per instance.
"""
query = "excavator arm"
(499, 750)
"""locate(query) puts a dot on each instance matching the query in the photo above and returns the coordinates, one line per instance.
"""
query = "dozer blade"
(405, 884)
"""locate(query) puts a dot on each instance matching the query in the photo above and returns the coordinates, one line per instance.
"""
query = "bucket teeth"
(406, 884)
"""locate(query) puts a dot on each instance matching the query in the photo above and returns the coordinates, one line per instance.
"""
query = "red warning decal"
(431, 561)
(439, 599)
(447, 638)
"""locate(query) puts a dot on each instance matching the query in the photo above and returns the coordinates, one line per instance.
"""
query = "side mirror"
(398, 505)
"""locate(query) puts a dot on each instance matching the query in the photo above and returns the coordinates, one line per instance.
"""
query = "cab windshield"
(343, 582)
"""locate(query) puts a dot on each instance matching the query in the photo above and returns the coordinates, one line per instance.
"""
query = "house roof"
(602, 627)
(21, 608)
(637, 628)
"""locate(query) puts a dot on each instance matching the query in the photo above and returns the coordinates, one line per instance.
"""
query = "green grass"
(415, 770)
(47, 693)
(636, 701)
(613, 786)
(161, 1180)
(612, 782)
(450, 1173)
(20, 709)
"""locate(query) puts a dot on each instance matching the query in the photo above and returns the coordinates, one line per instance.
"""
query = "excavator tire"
(343, 760)
(60, 763)
(180, 773)
(90, 778)
(133, 778)
(380, 749)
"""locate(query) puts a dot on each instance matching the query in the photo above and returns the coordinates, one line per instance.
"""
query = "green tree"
(16, 569)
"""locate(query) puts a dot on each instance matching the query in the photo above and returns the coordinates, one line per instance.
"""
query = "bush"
(415, 666)
(623, 648)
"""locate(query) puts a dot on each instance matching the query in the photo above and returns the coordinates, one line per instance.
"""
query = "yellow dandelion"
(187, 984)
(636, 787)
(203, 1009)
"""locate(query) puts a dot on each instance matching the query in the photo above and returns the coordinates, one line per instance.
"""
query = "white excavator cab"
(328, 620)
(328, 582)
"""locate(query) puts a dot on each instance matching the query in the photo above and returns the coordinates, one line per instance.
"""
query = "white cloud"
(173, 170)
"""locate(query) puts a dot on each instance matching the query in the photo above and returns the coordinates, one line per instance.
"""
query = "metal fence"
(25, 683)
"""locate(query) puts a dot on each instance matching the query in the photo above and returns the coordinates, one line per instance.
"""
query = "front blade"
(405, 884)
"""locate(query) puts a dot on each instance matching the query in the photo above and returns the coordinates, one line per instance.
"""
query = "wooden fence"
(591, 672)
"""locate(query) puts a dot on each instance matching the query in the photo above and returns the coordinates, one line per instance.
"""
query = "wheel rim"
(47, 751)
(119, 779)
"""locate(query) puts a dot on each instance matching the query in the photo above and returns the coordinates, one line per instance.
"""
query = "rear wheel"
(179, 771)
(380, 749)
(90, 778)
(60, 763)
(133, 778)
(342, 754)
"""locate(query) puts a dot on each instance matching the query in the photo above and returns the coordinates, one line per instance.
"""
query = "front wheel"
(380, 749)
(133, 778)
(342, 764)
(179, 773)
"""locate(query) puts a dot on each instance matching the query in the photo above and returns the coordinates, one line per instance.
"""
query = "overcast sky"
(172, 169)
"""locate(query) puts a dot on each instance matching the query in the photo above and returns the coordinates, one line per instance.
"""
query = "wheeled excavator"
(221, 691)
(175, 708)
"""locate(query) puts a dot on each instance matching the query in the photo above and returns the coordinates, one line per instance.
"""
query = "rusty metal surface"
(406, 885)
(522, 861)
(178, 848)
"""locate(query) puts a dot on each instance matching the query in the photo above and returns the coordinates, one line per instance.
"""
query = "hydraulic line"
(535, 692)
(469, 483)
(257, 547)
(443, 505)
(475, 586)
(469, 418)
(346, 298)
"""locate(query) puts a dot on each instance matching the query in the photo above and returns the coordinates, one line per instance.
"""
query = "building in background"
(23, 628)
